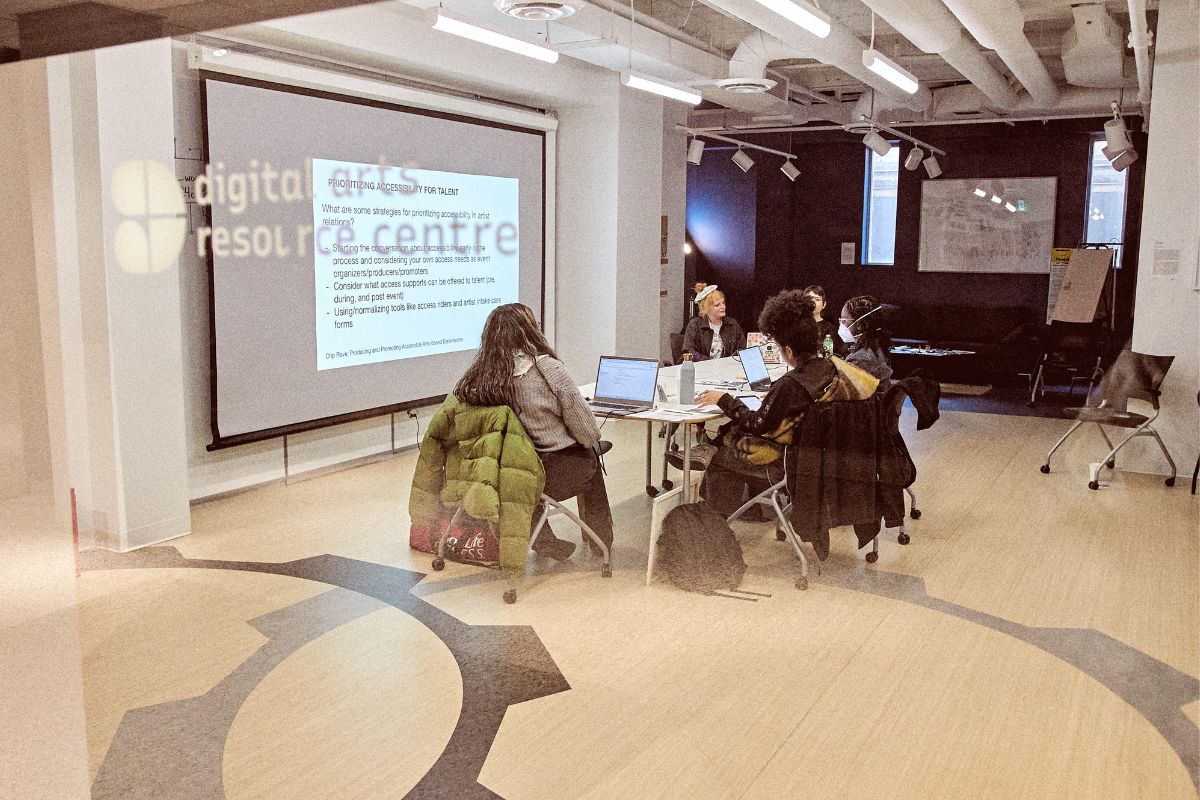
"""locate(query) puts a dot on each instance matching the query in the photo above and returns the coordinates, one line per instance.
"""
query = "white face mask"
(844, 334)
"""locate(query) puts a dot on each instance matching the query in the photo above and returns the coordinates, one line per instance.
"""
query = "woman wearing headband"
(861, 328)
(711, 334)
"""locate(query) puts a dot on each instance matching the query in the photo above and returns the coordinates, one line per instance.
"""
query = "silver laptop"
(755, 368)
(624, 385)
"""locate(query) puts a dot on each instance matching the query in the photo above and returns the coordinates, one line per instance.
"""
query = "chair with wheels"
(1134, 376)
(1074, 348)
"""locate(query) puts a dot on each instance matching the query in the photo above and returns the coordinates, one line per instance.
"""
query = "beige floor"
(831, 693)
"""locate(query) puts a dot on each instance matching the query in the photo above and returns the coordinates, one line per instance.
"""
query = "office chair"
(1075, 348)
(1134, 376)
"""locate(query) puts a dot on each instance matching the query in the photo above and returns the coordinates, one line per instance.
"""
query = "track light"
(636, 80)
(441, 21)
(743, 161)
(1121, 160)
(889, 70)
(880, 145)
(932, 167)
(915, 156)
(1116, 135)
(811, 19)
(789, 169)
(997, 199)
(695, 151)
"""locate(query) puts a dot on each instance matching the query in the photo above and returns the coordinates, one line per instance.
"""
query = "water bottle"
(687, 380)
(827, 345)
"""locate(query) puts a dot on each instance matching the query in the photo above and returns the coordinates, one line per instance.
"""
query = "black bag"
(698, 551)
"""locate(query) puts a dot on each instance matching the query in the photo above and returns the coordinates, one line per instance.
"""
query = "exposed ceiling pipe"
(1000, 25)
(1139, 39)
(930, 26)
(755, 52)
(841, 48)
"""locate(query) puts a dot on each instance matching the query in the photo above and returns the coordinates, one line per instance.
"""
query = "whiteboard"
(964, 232)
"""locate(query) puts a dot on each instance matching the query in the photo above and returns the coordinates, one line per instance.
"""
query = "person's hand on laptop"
(709, 398)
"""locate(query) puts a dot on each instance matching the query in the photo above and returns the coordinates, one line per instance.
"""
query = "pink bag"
(470, 541)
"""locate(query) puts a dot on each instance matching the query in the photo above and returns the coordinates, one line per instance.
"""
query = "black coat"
(698, 336)
(849, 466)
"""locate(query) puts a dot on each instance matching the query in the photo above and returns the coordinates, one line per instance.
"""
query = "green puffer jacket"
(479, 458)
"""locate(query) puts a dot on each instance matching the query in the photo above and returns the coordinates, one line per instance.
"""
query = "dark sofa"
(1004, 340)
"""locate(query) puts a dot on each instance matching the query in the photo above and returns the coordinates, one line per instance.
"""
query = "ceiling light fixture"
(743, 161)
(220, 52)
(889, 70)
(980, 192)
(636, 80)
(997, 199)
(789, 169)
(914, 159)
(441, 21)
(808, 17)
(932, 167)
(877, 143)
(1010, 206)
(695, 151)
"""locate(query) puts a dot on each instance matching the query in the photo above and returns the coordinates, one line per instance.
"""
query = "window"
(879, 207)
(1105, 201)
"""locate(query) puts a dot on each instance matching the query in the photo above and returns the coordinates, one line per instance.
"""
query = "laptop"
(755, 369)
(624, 385)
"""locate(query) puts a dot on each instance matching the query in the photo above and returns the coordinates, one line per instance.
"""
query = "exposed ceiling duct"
(1000, 25)
(930, 26)
(1092, 51)
(967, 102)
(1139, 40)
(841, 49)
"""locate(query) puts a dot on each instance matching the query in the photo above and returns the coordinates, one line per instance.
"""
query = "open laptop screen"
(629, 380)
(755, 368)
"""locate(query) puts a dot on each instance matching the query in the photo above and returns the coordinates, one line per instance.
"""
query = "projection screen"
(355, 250)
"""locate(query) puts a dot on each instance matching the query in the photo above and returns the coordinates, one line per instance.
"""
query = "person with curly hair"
(789, 319)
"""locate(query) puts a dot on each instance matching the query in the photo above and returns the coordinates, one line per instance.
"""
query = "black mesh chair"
(1074, 348)
(1134, 376)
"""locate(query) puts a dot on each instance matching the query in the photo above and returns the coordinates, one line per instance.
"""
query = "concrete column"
(1167, 310)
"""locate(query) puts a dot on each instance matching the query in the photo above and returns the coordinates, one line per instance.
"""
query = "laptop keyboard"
(609, 408)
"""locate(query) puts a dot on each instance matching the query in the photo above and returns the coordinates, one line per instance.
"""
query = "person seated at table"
(824, 326)
(516, 367)
(712, 334)
(861, 328)
(750, 447)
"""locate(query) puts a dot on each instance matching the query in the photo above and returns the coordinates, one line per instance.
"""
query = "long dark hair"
(788, 319)
(510, 329)
(868, 316)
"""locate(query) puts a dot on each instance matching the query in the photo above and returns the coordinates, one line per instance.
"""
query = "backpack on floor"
(697, 550)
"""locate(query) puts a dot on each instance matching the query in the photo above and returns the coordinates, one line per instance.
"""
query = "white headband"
(705, 292)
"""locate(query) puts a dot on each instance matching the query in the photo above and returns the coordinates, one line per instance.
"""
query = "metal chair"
(1075, 348)
(1134, 376)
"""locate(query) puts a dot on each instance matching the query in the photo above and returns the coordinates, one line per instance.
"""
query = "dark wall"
(799, 227)
(721, 225)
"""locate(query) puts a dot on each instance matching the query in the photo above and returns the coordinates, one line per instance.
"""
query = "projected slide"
(408, 262)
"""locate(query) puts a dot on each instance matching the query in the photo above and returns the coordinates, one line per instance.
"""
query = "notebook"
(624, 385)
(755, 369)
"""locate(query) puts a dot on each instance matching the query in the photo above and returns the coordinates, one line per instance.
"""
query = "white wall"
(674, 206)
(1167, 309)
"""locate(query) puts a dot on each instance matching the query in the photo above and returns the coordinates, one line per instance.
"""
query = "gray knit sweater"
(552, 409)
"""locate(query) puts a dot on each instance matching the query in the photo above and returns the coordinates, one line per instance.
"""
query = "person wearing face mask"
(712, 334)
(824, 327)
(860, 328)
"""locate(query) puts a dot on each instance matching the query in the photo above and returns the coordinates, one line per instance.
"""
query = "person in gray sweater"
(516, 367)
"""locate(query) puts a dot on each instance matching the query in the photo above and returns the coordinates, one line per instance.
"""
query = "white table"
(726, 371)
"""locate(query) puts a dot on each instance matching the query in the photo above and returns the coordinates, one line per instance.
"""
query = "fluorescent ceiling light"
(441, 21)
(789, 169)
(979, 192)
(811, 19)
(997, 199)
(889, 70)
(636, 80)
